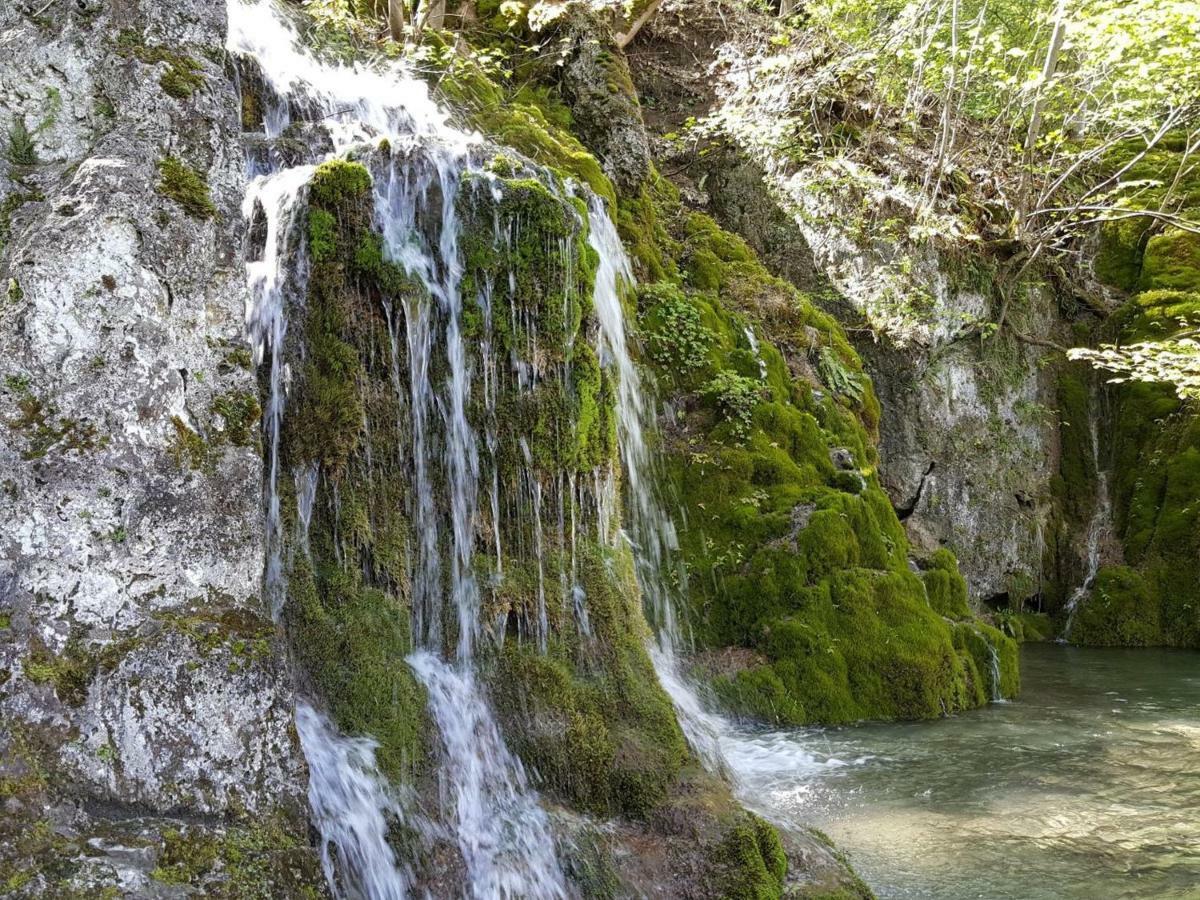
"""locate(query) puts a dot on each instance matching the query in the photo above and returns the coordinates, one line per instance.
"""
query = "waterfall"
(503, 834)
(722, 747)
(351, 807)
(997, 694)
(1098, 526)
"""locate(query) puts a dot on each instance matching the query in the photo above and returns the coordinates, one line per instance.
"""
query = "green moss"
(184, 75)
(1025, 627)
(750, 863)
(1122, 611)
(241, 414)
(38, 421)
(1118, 259)
(74, 669)
(538, 285)
(1155, 451)
(259, 861)
(348, 611)
(786, 555)
(1171, 262)
(8, 208)
(185, 186)
(589, 715)
(527, 120)
(945, 586)
(233, 419)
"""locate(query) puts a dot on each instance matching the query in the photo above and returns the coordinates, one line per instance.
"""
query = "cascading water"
(721, 746)
(503, 835)
(352, 807)
(994, 655)
(1098, 526)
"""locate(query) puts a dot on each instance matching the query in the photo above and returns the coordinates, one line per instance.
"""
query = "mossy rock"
(242, 861)
(749, 863)
(787, 554)
(186, 186)
(348, 607)
(945, 586)
(1122, 610)
(1155, 450)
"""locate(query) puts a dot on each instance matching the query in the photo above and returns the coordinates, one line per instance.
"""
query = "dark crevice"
(904, 510)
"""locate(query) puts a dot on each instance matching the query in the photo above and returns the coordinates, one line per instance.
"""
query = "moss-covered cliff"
(564, 637)
(1149, 595)
(793, 559)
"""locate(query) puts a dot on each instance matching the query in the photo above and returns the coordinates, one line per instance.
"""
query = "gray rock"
(140, 666)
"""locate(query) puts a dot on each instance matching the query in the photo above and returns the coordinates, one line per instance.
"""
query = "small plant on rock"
(186, 187)
(21, 151)
(736, 396)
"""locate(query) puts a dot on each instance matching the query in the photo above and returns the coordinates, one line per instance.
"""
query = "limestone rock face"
(968, 441)
(967, 436)
(139, 670)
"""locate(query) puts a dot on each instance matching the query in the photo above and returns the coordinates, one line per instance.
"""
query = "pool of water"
(1088, 785)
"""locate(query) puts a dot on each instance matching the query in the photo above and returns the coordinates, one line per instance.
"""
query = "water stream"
(1100, 521)
(1085, 786)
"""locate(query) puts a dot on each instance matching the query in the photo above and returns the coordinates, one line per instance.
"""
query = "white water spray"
(503, 833)
(351, 807)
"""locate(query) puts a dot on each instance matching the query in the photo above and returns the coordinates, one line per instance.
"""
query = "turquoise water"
(1088, 785)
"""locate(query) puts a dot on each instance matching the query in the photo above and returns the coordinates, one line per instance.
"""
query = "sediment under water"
(1088, 785)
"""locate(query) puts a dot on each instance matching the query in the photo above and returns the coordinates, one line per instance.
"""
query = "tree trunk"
(1057, 37)
(396, 20)
(436, 15)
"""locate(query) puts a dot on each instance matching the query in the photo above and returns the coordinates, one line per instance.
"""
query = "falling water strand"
(503, 833)
(722, 747)
(752, 339)
(504, 836)
(1098, 525)
(274, 196)
(351, 809)
(997, 694)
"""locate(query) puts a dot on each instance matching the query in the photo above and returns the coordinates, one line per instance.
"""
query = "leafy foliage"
(21, 150)
(736, 395)
(678, 337)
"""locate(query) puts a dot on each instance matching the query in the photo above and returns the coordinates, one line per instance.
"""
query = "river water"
(1086, 786)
